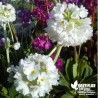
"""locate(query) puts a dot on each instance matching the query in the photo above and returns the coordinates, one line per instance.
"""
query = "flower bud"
(3, 40)
(16, 45)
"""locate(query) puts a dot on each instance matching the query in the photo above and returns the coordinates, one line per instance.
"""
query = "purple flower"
(74, 1)
(43, 4)
(1, 42)
(59, 63)
(4, 2)
(24, 16)
(90, 4)
(40, 16)
(41, 12)
(47, 45)
(42, 42)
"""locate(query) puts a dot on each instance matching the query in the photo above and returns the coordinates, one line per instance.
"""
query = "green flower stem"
(79, 51)
(7, 54)
(53, 50)
(11, 32)
(58, 53)
(14, 31)
(6, 45)
(22, 34)
(5, 36)
(75, 55)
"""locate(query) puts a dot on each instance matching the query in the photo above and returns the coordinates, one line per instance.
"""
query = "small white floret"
(16, 45)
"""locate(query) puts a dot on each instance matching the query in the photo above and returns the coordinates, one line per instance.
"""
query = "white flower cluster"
(7, 13)
(35, 75)
(69, 25)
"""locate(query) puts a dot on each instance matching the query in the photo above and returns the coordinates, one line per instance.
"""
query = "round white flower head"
(35, 75)
(17, 46)
(7, 13)
(69, 25)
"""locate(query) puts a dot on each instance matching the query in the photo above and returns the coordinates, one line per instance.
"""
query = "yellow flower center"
(33, 71)
(70, 25)
(6, 12)
(26, 82)
(42, 79)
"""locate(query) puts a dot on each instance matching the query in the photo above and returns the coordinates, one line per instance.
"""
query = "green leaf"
(85, 57)
(12, 92)
(67, 96)
(92, 79)
(64, 82)
(20, 96)
(81, 66)
(88, 72)
(81, 96)
(68, 68)
(2, 95)
(75, 70)
(4, 90)
(47, 96)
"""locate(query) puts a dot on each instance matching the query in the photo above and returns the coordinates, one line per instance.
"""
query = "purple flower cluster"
(41, 12)
(59, 63)
(45, 4)
(42, 42)
(1, 42)
(90, 4)
(4, 2)
(24, 16)
(74, 1)
(40, 16)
